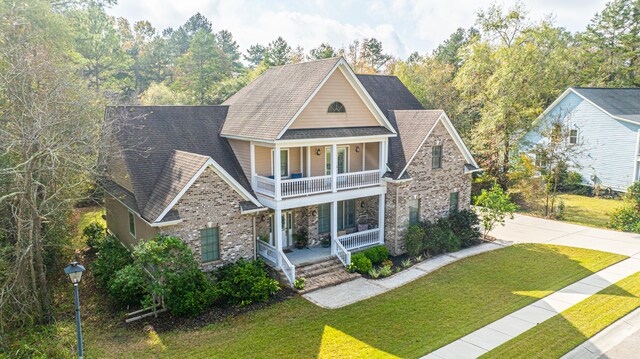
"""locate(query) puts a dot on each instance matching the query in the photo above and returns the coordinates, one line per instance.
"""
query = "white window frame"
(131, 215)
(577, 136)
(347, 161)
(288, 162)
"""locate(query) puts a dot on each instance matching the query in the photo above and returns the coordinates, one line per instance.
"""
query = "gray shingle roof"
(308, 133)
(263, 108)
(150, 138)
(405, 113)
(412, 127)
(619, 102)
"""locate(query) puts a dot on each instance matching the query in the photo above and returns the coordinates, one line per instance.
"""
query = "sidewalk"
(360, 289)
(491, 336)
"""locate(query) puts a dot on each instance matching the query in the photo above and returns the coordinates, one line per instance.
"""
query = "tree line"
(62, 61)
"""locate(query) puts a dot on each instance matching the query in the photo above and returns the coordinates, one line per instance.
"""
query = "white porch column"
(334, 226)
(276, 172)
(308, 171)
(301, 163)
(277, 223)
(334, 167)
(382, 163)
(252, 155)
(381, 217)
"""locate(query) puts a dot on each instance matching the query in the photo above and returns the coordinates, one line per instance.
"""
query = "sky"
(403, 26)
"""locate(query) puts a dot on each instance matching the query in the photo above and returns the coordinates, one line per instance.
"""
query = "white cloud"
(403, 26)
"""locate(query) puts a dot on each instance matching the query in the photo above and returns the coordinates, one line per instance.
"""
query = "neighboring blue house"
(606, 123)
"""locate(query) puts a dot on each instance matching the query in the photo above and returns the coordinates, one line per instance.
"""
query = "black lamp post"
(74, 271)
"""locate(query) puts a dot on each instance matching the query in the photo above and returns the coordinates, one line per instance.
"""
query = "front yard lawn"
(589, 211)
(407, 322)
(560, 334)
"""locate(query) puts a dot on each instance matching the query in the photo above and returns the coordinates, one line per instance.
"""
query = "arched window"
(336, 107)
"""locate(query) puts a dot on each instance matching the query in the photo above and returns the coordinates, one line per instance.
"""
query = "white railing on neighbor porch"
(360, 239)
(358, 179)
(305, 186)
(271, 253)
(343, 255)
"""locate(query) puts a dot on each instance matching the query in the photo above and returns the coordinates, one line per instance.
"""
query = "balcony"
(314, 185)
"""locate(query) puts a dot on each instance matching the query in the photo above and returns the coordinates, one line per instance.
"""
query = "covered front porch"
(324, 230)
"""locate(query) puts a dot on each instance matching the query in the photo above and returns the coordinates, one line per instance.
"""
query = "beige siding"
(242, 150)
(118, 223)
(336, 88)
(263, 161)
(372, 156)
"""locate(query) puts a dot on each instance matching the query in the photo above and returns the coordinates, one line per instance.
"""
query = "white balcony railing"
(271, 254)
(359, 240)
(343, 254)
(358, 179)
(305, 186)
(313, 185)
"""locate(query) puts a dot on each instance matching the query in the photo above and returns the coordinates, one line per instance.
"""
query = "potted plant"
(300, 238)
(326, 242)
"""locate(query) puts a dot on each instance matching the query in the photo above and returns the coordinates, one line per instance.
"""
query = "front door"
(287, 229)
(287, 233)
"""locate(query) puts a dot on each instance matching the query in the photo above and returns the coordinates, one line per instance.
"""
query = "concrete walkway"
(360, 289)
(489, 337)
(619, 340)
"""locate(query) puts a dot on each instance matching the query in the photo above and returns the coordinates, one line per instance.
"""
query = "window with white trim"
(132, 224)
(414, 211)
(573, 136)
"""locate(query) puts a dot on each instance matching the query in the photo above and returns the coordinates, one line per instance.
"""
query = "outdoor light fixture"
(357, 149)
(318, 152)
(74, 271)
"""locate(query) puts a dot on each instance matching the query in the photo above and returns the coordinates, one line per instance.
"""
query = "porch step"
(322, 274)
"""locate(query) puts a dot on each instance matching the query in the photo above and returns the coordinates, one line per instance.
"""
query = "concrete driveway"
(525, 229)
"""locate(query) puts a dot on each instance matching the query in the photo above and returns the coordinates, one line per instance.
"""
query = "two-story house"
(350, 159)
(605, 124)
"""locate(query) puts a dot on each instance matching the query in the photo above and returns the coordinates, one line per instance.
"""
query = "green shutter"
(210, 244)
(340, 216)
(350, 210)
(324, 218)
(453, 202)
(436, 157)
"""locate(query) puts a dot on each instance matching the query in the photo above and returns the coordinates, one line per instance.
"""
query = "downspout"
(395, 245)
(253, 235)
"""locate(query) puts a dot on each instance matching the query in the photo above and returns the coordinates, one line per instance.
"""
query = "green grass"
(589, 211)
(89, 215)
(407, 322)
(560, 334)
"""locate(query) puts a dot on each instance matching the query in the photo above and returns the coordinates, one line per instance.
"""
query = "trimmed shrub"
(185, 289)
(128, 285)
(414, 238)
(94, 233)
(627, 217)
(245, 282)
(439, 238)
(111, 257)
(466, 226)
(361, 263)
(377, 254)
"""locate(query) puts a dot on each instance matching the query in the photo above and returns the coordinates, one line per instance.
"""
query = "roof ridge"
(306, 62)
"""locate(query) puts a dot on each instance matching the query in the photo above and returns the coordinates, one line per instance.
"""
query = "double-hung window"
(414, 211)
(436, 157)
(210, 244)
(573, 136)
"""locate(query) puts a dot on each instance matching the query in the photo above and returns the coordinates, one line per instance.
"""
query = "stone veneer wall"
(211, 202)
(307, 217)
(431, 186)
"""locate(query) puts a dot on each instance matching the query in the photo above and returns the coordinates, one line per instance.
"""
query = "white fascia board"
(166, 224)
(336, 140)
(454, 135)
(603, 110)
(220, 172)
(256, 210)
(266, 143)
(553, 104)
